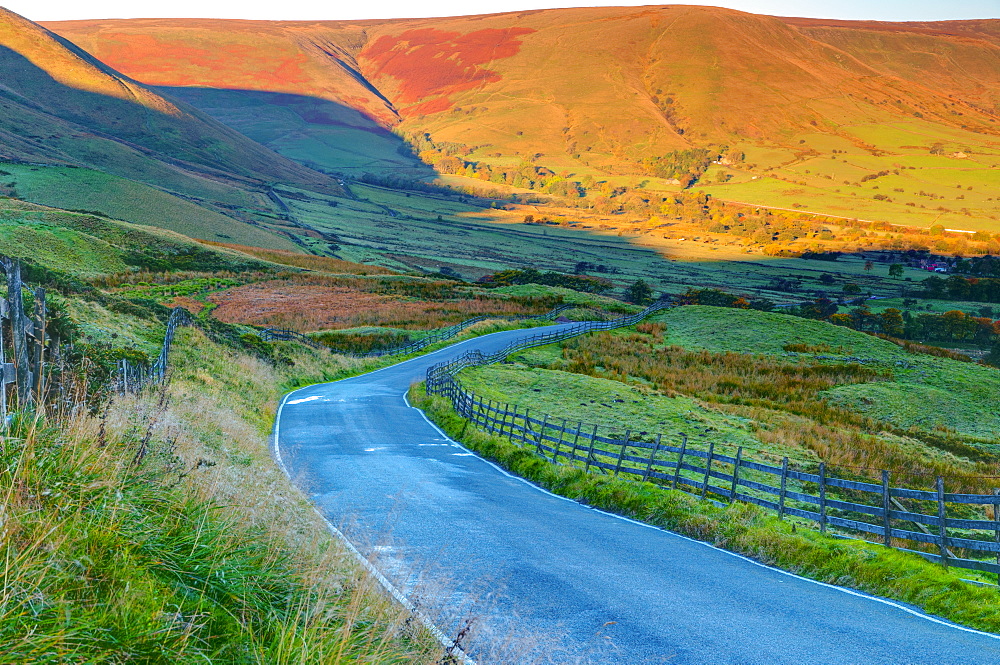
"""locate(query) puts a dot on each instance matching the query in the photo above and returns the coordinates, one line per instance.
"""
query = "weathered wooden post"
(541, 435)
(18, 321)
(781, 496)
(736, 474)
(590, 452)
(886, 522)
(559, 442)
(822, 497)
(621, 453)
(652, 458)
(708, 468)
(942, 529)
(680, 460)
(38, 361)
(576, 439)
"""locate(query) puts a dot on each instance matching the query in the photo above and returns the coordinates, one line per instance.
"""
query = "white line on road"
(382, 579)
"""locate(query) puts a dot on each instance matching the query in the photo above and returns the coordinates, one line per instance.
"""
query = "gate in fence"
(878, 510)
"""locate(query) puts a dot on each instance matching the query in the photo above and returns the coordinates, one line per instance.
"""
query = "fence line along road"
(858, 507)
(132, 377)
(439, 335)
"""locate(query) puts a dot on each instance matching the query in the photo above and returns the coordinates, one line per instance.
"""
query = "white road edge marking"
(850, 592)
(386, 584)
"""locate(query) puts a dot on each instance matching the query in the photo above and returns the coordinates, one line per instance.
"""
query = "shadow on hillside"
(319, 133)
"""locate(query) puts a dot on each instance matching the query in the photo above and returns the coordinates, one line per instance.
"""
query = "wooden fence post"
(652, 457)
(680, 460)
(488, 409)
(708, 468)
(510, 427)
(541, 434)
(562, 433)
(503, 421)
(41, 312)
(996, 519)
(576, 438)
(621, 453)
(590, 452)
(942, 530)
(822, 497)
(886, 522)
(17, 326)
(736, 474)
(784, 481)
(527, 426)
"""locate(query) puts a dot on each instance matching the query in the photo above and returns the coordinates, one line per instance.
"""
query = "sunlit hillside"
(799, 110)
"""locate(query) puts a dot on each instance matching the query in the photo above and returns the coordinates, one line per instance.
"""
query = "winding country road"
(550, 580)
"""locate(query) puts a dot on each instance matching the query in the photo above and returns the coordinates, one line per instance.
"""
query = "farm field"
(955, 188)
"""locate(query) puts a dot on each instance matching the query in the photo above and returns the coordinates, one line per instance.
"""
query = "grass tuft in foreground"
(740, 528)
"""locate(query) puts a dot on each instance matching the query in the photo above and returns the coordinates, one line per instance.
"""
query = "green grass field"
(85, 189)
(956, 189)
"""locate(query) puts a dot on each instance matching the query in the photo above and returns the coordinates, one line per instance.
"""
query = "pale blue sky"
(884, 10)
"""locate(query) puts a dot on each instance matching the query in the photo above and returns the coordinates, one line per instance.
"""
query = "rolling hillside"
(132, 152)
(607, 93)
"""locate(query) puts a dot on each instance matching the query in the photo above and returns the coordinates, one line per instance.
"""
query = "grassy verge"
(160, 530)
(740, 528)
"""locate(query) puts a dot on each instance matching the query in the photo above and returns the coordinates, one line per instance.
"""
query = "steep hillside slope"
(144, 157)
(50, 85)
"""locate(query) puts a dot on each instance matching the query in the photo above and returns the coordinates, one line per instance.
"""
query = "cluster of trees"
(718, 298)
(981, 266)
(685, 166)
(953, 326)
(947, 328)
(957, 287)
(583, 283)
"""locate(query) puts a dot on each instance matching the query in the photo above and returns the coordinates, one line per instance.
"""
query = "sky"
(882, 10)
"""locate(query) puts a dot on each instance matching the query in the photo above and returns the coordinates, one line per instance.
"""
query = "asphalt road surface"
(545, 579)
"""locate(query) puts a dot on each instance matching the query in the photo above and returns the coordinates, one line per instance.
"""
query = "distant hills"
(804, 107)
(603, 83)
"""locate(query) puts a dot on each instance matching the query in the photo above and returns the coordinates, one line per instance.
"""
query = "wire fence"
(957, 525)
(132, 377)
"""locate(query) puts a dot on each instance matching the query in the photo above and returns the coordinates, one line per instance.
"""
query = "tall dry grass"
(160, 530)
(782, 400)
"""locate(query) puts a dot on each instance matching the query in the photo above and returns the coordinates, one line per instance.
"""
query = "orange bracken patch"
(430, 62)
(157, 61)
(307, 308)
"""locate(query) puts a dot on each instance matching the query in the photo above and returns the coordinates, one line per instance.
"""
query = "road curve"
(550, 580)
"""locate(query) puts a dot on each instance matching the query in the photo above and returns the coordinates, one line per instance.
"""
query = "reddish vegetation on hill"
(430, 64)
(674, 75)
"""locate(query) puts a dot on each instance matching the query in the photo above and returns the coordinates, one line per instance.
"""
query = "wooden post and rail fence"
(855, 507)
